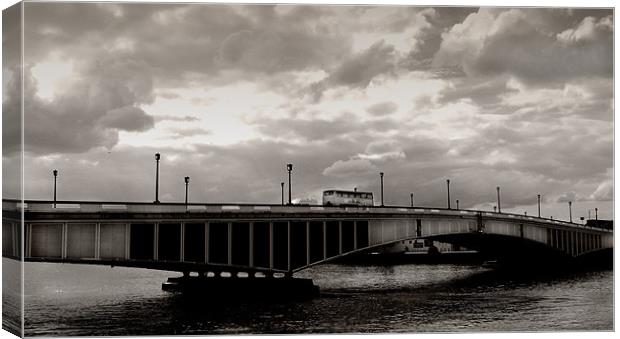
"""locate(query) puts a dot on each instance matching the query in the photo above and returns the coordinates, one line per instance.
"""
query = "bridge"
(261, 240)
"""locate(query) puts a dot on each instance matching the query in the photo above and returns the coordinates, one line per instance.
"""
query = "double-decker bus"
(351, 198)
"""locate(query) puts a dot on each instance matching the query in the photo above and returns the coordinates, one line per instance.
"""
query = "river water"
(67, 300)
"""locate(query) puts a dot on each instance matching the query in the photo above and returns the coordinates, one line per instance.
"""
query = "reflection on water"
(88, 300)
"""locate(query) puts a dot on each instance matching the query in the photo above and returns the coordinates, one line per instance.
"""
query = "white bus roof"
(346, 191)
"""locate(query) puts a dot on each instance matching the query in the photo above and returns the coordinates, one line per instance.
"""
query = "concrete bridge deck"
(267, 239)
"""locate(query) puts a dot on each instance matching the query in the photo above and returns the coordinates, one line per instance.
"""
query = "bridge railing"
(142, 207)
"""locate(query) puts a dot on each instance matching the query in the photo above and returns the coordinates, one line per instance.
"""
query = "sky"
(520, 98)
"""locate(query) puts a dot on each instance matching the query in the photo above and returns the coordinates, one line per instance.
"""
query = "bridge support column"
(251, 249)
(288, 245)
(207, 242)
(324, 240)
(230, 243)
(307, 242)
(340, 237)
(271, 245)
(355, 234)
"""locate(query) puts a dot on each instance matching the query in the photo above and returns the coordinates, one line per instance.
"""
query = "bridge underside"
(509, 249)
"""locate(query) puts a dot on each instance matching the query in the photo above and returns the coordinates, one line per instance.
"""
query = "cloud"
(568, 196)
(604, 192)
(127, 118)
(350, 168)
(537, 46)
(360, 69)
(185, 118)
(98, 103)
(382, 108)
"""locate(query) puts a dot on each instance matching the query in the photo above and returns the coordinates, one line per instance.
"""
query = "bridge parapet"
(193, 208)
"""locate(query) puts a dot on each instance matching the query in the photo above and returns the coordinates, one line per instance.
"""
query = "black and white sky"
(520, 98)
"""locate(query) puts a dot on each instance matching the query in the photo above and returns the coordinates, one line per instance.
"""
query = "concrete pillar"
(251, 245)
(324, 240)
(355, 234)
(63, 240)
(307, 242)
(156, 241)
(206, 242)
(340, 236)
(98, 241)
(270, 245)
(288, 242)
(127, 240)
(182, 247)
(229, 243)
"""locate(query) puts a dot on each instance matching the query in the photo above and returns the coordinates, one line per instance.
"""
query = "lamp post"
(381, 174)
(186, 189)
(457, 204)
(499, 205)
(411, 199)
(55, 172)
(282, 189)
(596, 213)
(448, 184)
(157, 157)
(570, 211)
(289, 168)
(539, 205)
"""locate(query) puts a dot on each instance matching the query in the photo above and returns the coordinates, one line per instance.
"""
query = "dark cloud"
(344, 126)
(189, 132)
(185, 118)
(537, 46)
(128, 118)
(485, 92)
(382, 108)
(88, 114)
(359, 70)
(207, 39)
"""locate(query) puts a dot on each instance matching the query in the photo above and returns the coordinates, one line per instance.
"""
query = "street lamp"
(186, 189)
(157, 157)
(411, 199)
(448, 184)
(55, 172)
(596, 213)
(282, 189)
(570, 211)
(381, 174)
(499, 205)
(289, 168)
(539, 205)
